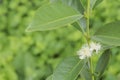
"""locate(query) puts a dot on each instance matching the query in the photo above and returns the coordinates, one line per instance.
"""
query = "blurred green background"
(33, 56)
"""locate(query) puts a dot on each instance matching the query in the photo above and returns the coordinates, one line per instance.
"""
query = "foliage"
(68, 70)
(25, 56)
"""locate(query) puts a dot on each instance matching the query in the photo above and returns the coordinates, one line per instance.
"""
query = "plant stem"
(87, 21)
(88, 17)
(91, 68)
(88, 37)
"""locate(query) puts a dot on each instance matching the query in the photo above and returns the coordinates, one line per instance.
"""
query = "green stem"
(88, 23)
(91, 68)
(88, 37)
(88, 17)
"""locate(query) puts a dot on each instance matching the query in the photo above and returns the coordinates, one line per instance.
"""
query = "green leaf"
(69, 69)
(80, 24)
(77, 26)
(83, 23)
(102, 63)
(108, 34)
(94, 3)
(97, 3)
(50, 77)
(76, 4)
(53, 16)
(86, 73)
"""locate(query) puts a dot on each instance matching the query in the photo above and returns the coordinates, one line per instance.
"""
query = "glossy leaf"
(108, 34)
(69, 69)
(94, 3)
(77, 26)
(53, 16)
(102, 63)
(80, 24)
(85, 73)
(76, 4)
(83, 23)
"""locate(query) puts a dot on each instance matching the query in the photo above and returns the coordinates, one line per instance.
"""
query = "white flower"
(95, 46)
(86, 51)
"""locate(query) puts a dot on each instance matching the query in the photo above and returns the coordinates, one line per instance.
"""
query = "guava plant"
(62, 13)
